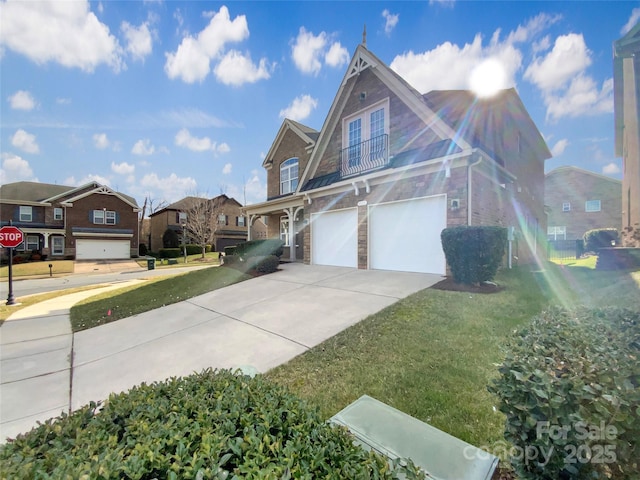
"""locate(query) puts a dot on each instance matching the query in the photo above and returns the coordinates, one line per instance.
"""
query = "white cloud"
(567, 89)
(236, 69)
(67, 33)
(186, 140)
(559, 147)
(123, 168)
(391, 20)
(226, 170)
(633, 20)
(169, 188)
(541, 45)
(190, 62)
(568, 57)
(424, 70)
(581, 97)
(25, 141)
(22, 100)
(300, 108)
(15, 169)
(611, 169)
(139, 40)
(143, 147)
(63, 101)
(337, 55)
(101, 141)
(87, 179)
(308, 50)
(254, 190)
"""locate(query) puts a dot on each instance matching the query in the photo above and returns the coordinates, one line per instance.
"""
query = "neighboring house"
(626, 88)
(86, 223)
(578, 200)
(391, 168)
(227, 222)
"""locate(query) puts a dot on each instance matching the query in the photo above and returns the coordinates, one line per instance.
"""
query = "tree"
(201, 216)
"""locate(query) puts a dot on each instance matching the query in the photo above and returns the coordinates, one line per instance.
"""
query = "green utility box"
(151, 263)
(395, 434)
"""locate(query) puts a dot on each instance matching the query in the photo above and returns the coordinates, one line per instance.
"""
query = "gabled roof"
(47, 193)
(483, 122)
(307, 134)
(31, 191)
(186, 202)
(627, 46)
(362, 60)
(572, 169)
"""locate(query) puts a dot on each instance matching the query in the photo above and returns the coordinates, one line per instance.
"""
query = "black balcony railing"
(365, 156)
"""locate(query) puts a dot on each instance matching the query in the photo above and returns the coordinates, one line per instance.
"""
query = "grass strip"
(112, 306)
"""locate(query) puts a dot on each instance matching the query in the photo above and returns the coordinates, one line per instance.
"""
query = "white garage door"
(102, 249)
(405, 235)
(334, 238)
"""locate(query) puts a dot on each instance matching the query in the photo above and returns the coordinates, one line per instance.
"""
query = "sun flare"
(487, 78)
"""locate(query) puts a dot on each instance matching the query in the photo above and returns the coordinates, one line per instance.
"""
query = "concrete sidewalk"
(262, 323)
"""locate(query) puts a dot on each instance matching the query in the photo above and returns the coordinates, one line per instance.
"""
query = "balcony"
(363, 157)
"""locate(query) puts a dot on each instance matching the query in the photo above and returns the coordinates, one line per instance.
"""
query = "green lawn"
(432, 354)
(129, 301)
(38, 268)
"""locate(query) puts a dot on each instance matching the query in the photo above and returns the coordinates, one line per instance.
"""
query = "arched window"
(289, 175)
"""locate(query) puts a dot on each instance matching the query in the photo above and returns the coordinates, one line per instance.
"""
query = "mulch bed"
(450, 285)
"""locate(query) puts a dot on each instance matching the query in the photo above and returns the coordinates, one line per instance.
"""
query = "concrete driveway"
(260, 323)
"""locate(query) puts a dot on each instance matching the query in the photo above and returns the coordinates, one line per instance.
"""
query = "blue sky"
(163, 99)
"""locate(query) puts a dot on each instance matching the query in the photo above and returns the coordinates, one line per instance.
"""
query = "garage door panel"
(405, 236)
(102, 249)
(335, 238)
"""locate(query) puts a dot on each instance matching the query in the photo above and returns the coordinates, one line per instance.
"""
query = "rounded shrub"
(598, 238)
(211, 425)
(474, 253)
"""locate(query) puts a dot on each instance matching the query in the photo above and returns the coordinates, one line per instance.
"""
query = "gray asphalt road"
(23, 287)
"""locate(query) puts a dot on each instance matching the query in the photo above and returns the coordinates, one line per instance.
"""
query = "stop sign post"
(11, 237)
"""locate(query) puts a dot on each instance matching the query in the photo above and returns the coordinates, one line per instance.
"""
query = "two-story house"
(228, 223)
(391, 168)
(86, 223)
(578, 200)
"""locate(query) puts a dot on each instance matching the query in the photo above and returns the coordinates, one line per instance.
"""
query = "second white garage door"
(334, 238)
(102, 249)
(405, 235)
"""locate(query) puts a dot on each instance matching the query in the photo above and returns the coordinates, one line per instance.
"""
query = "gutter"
(469, 192)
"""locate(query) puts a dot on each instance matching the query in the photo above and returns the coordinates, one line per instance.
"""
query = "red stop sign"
(10, 236)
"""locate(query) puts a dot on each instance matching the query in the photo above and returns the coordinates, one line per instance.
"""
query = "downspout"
(469, 187)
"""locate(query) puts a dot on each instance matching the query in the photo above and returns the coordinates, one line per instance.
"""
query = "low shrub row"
(570, 388)
(211, 425)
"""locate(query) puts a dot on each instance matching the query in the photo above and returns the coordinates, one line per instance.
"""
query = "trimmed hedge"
(169, 252)
(231, 250)
(266, 264)
(211, 425)
(260, 248)
(598, 238)
(570, 388)
(193, 249)
(474, 253)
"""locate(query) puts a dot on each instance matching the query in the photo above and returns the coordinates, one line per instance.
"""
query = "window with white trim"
(26, 214)
(104, 217)
(57, 213)
(182, 217)
(557, 233)
(284, 231)
(289, 176)
(369, 124)
(57, 245)
(33, 243)
(222, 219)
(592, 206)
(240, 222)
(566, 206)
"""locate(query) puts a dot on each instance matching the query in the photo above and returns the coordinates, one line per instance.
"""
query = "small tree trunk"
(204, 249)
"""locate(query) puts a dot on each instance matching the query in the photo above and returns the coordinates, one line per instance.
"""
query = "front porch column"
(292, 239)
